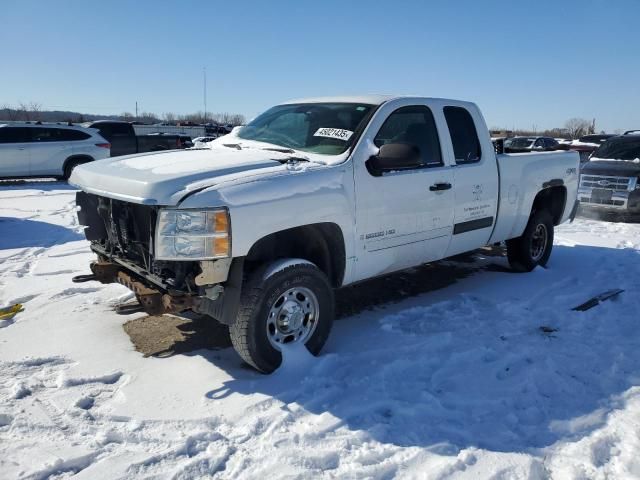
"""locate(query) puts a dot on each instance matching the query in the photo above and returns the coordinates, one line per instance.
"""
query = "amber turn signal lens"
(221, 222)
(221, 246)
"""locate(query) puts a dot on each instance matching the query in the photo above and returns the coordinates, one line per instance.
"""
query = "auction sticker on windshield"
(338, 133)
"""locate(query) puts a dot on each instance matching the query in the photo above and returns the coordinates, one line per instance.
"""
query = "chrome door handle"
(436, 187)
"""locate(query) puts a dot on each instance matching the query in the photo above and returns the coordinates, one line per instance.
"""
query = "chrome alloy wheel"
(539, 241)
(293, 317)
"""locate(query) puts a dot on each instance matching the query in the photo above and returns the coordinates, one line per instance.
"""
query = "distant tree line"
(198, 118)
(573, 128)
(33, 112)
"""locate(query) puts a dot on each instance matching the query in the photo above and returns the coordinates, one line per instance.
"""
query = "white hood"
(164, 178)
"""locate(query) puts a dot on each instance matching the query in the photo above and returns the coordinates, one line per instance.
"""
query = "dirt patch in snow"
(167, 335)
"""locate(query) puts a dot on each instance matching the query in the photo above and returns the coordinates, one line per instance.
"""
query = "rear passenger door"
(475, 179)
(14, 152)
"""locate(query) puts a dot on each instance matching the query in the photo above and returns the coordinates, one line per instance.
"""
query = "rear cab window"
(464, 136)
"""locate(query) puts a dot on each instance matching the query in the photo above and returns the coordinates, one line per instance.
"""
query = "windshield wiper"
(237, 146)
(281, 150)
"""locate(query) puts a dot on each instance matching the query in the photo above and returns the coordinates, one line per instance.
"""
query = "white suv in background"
(47, 150)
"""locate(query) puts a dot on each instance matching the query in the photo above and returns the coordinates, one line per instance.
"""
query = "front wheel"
(534, 247)
(293, 305)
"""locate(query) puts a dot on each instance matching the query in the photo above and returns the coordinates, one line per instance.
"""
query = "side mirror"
(394, 156)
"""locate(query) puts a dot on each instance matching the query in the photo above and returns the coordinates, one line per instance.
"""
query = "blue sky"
(525, 63)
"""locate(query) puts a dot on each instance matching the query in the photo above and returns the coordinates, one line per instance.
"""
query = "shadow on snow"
(470, 365)
(23, 233)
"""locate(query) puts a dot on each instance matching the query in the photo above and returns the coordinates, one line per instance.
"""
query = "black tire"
(249, 334)
(70, 165)
(525, 253)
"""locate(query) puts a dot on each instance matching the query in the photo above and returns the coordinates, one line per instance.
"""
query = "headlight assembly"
(192, 235)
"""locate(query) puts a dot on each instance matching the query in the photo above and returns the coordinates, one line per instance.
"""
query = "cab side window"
(466, 145)
(413, 125)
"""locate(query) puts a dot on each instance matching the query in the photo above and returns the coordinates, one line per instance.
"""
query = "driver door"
(404, 217)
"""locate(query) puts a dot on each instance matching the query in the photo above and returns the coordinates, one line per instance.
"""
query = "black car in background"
(530, 144)
(124, 140)
(586, 145)
(609, 182)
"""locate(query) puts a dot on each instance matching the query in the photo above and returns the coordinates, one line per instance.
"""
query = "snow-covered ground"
(459, 382)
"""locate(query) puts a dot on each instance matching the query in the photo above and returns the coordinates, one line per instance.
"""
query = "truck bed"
(522, 175)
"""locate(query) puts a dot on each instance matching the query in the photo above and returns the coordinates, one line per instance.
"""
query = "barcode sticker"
(337, 133)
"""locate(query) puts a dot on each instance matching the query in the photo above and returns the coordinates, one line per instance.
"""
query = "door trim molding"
(471, 225)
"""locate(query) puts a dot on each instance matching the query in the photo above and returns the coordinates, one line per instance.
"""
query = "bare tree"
(127, 116)
(577, 127)
(35, 108)
(23, 111)
(169, 117)
(148, 117)
(237, 119)
(9, 112)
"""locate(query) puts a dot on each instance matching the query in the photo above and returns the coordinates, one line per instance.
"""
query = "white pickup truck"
(258, 230)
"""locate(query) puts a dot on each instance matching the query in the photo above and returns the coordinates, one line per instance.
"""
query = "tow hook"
(84, 278)
(103, 272)
(152, 300)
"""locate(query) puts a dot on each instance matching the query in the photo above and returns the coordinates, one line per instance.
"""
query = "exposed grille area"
(617, 184)
(124, 232)
(130, 228)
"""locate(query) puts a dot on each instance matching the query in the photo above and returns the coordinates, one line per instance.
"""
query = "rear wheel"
(534, 247)
(293, 305)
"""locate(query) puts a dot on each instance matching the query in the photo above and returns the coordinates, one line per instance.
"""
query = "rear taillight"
(103, 145)
(179, 142)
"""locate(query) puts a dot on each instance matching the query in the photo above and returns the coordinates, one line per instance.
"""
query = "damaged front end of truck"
(171, 259)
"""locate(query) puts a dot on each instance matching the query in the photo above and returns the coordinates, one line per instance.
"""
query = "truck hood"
(621, 168)
(164, 178)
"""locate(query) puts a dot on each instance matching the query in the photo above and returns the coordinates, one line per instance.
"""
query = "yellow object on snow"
(8, 313)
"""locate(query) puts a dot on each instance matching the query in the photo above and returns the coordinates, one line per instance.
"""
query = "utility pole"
(204, 72)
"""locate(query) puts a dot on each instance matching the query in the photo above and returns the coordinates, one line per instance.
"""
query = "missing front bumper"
(153, 300)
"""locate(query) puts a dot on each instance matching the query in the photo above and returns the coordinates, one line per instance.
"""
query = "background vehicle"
(185, 130)
(202, 141)
(49, 150)
(124, 140)
(609, 182)
(530, 144)
(217, 130)
(313, 195)
(586, 145)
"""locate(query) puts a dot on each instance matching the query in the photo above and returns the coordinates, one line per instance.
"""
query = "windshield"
(520, 142)
(324, 128)
(624, 148)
